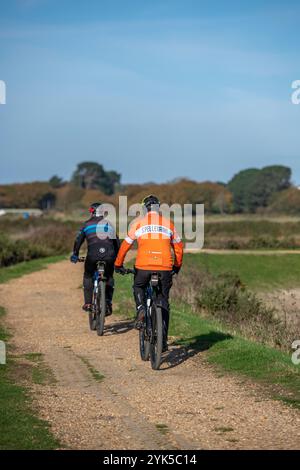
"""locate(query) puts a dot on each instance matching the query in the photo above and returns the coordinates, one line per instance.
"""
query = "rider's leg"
(109, 270)
(141, 280)
(166, 284)
(109, 290)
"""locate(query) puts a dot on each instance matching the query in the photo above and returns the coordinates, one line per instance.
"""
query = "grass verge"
(41, 374)
(235, 354)
(94, 372)
(162, 428)
(27, 267)
(20, 428)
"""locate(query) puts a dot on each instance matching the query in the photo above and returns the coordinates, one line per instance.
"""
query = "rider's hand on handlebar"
(120, 270)
(176, 269)
(74, 258)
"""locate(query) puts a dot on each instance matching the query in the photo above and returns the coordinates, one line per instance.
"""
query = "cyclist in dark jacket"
(103, 245)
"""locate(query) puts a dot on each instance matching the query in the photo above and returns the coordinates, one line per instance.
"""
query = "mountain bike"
(151, 333)
(97, 314)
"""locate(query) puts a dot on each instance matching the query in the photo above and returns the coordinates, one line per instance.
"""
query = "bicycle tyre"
(93, 314)
(101, 308)
(144, 345)
(156, 343)
(92, 321)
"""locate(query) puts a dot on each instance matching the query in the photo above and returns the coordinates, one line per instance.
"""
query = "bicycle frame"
(99, 275)
(98, 311)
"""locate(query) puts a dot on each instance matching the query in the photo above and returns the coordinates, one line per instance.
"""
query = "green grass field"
(257, 271)
(230, 353)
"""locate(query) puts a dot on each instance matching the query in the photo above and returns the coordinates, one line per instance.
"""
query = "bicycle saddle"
(154, 279)
(101, 266)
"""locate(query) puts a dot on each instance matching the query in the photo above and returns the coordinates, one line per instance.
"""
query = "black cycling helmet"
(151, 202)
(93, 208)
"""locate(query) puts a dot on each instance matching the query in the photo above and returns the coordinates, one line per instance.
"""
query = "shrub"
(34, 238)
(36, 194)
(270, 242)
(12, 252)
(286, 202)
(58, 238)
(226, 298)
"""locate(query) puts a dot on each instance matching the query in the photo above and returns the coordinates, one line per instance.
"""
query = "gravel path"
(187, 405)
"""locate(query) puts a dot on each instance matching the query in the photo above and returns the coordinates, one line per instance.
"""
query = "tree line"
(253, 190)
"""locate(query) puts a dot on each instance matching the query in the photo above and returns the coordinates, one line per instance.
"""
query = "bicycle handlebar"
(130, 271)
(126, 270)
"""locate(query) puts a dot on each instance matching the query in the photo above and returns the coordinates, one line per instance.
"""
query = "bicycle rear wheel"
(101, 308)
(156, 343)
(144, 344)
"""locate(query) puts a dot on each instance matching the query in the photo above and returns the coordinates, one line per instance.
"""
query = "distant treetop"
(91, 175)
(254, 188)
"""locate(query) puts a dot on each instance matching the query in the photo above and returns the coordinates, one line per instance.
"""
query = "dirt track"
(187, 405)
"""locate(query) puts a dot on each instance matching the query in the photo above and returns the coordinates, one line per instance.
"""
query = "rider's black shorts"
(142, 278)
(91, 265)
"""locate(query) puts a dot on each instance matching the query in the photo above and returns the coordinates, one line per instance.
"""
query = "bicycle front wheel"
(101, 308)
(156, 343)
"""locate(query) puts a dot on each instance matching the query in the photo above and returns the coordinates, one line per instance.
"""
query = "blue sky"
(153, 89)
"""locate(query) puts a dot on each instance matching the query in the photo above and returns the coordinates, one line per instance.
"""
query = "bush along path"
(103, 396)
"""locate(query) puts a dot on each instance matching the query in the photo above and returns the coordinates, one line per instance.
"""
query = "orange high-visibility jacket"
(156, 237)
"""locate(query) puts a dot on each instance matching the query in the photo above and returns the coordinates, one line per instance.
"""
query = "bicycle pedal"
(138, 325)
(87, 309)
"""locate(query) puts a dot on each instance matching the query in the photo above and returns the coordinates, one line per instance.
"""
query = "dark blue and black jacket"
(102, 241)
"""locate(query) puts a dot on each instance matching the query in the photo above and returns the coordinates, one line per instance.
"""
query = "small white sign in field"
(296, 354)
(2, 353)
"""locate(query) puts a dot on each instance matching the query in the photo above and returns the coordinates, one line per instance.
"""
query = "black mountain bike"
(151, 333)
(97, 314)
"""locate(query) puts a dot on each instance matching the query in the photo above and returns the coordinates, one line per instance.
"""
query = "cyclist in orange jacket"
(156, 238)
